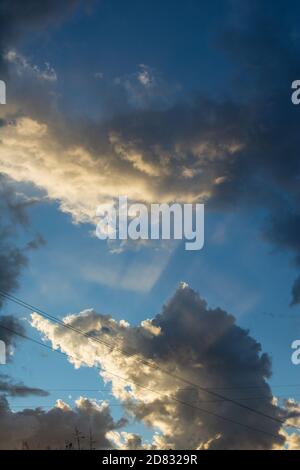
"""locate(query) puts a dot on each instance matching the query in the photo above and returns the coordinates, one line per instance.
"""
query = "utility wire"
(190, 405)
(184, 389)
(266, 397)
(112, 346)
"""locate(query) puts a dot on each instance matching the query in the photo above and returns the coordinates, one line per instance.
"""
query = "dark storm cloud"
(283, 231)
(18, 18)
(189, 340)
(8, 325)
(264, 46)
(225, 357)
(12, 257)
(18, 389)
(10, 331)
(242, 152)
(12, 261)
(13, 215)
(296, 292)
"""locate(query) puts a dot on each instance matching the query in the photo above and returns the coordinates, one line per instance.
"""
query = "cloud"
(270, 172)
(10, 328)
(12, 261)
(19, 389)
(36, 242)
(80, 177)
(56, 428)
(296, 292)
(187, 339)
(282, 231)
(24, 67)
(17, 20)
(9, 324)
(126, 440)
(12, 215)
(146, 88)
(292, 409)
(227, 153)
(235, 152)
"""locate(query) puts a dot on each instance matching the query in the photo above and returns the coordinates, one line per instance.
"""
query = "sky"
(161, 102)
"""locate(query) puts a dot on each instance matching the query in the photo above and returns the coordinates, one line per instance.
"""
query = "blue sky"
(233, 270)
(97, 53)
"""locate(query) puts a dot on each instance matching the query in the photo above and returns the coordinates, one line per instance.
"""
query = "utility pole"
(78, 437)
(91, 440)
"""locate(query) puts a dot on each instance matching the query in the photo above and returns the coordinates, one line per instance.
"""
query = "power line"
(35, 405)
(266, 397)
(143, 361)
(75, 390)
(181, 389)
(224, 418)
(149, 364)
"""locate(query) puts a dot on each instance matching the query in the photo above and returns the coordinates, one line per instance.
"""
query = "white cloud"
(55, 428)
(24, 67)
